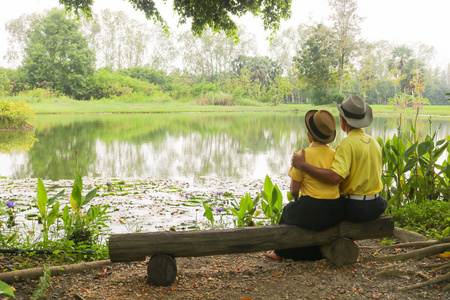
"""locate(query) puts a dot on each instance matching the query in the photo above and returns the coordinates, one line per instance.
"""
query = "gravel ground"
(159, 205)
(247, 276)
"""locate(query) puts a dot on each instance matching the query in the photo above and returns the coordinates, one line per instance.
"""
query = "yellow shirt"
(321, 156)
(358, 161)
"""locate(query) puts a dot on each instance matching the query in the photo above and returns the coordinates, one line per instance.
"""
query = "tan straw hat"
(355, 111)
(321, 125)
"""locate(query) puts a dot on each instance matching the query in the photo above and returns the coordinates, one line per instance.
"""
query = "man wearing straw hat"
(357, 164)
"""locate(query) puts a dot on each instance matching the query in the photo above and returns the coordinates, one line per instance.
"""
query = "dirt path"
(247, 276)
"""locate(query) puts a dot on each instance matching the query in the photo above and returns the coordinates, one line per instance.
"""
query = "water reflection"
(176, 146)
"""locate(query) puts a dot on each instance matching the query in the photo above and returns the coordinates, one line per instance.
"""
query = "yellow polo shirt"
(358, 160)
(321, 156)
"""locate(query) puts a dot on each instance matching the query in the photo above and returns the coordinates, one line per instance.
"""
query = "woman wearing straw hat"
(320, 205)
(357, 164)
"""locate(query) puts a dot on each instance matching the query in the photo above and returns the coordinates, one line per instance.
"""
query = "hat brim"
(357, 123)
(308, 116)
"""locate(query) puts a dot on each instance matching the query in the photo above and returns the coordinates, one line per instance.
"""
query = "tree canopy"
(204, 13)
(57, 55)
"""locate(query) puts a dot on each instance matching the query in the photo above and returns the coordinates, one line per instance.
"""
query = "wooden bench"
(337, 244)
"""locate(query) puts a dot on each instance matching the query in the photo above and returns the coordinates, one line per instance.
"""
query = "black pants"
(312, 214)
(364, 210)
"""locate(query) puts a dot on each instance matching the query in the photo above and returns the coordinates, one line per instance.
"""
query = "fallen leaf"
(444, 255)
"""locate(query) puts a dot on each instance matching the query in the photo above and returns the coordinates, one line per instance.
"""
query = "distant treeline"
(55, 55)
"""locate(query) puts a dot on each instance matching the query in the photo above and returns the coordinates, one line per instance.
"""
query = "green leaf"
(53, 214)
(5, 289)
(438, 152)
(75, 198)
(289, 196)
(268, 186)
(274, 197)
(42, 198)
(53, 199)
(208, 213)
(410, 164)
(410, 151)
(424, 147)
(89, 197)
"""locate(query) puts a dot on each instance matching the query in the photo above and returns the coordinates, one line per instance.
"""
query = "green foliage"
(411, 169)
(57, 53)
(155, 77)
(338, 98)
(245, 210)
(204, 87)
(109, 84)
(431, 220)
(272, 201)
(204, 13)
(400, 100)
(14, 114)
(6, 290)
(82, 226)
(106, 83)
(220, 98)
(208, 214)
(43, 285)
(403, 61)
(48, 209)
(316, 64)
(263, 70)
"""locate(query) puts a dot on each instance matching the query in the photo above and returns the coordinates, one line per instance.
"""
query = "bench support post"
(341, 252)
(162, 270)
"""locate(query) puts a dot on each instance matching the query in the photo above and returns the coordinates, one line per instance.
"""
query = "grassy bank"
(67, 106)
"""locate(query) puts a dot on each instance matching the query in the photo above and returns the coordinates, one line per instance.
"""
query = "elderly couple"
(335, 185)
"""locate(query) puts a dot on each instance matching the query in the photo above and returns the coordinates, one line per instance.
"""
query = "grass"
(68, 106)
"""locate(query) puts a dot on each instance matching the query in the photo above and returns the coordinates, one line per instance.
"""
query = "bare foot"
(274, 256)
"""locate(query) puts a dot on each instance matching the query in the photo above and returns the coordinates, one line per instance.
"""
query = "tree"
(285, 45)
(263, 69)
(345, 29)
(316, 64)
(57, 54)
(211, 53)
(402, 64)
(205, 13)
(367, 77)
(17, 30)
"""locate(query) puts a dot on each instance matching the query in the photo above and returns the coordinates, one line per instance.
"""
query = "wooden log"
(162, 270)
(341, 252)
(378, 228)
(137, 246)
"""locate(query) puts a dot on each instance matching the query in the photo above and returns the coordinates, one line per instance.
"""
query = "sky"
(397, 21)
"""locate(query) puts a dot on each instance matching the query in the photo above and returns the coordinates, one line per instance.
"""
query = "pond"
(184, 146)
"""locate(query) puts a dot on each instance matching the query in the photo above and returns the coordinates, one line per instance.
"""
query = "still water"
(182, 146)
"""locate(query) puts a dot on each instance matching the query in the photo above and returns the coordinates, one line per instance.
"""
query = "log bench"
(337, 244)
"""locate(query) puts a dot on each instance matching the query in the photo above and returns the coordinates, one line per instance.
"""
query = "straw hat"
(355, 111)
(321, 125)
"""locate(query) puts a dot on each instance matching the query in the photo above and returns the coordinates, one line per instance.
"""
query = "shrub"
(14, 114)
(108, 84)
(338, 98)
(216, 99)
(204, 88)
(429, 219)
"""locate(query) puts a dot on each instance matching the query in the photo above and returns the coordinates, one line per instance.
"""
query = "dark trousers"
(364, 210)
(312, 214)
